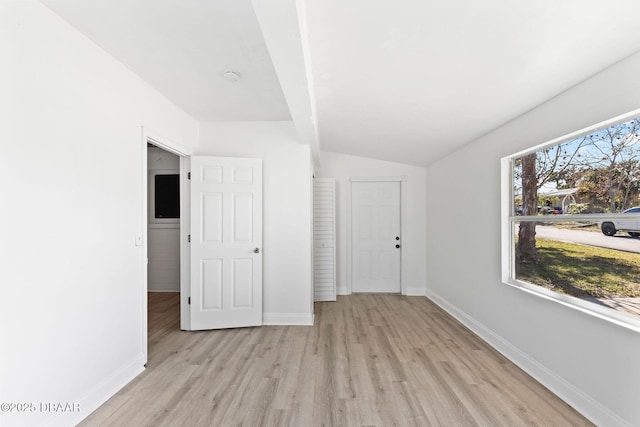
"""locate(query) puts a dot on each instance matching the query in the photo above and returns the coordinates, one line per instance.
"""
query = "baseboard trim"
(287, 319)
(576, 398)
(163, 290)
(410, 292)
(324, 297)
(99, 394)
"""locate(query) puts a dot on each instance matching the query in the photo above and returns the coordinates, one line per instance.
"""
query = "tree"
(631, 183)
(615, 153)
(553, 164)
(623, 178)
(535, 170)
(594, 184)
(526, 252)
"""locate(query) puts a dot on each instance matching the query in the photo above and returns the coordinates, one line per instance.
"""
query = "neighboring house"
(561, 198)
(71, 130)
(566, 197)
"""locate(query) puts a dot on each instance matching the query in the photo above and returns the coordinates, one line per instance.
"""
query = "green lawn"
(582, 271)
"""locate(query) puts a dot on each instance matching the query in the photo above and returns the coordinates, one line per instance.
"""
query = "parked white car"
(631, 225)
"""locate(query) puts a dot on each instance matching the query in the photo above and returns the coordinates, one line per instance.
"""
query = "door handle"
(397, 237)
(397, 246)
(256, 251)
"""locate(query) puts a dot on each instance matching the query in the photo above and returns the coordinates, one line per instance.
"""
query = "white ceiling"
(183, 47)
(407, 81)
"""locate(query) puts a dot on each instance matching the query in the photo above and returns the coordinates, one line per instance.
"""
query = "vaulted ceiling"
(407, 81)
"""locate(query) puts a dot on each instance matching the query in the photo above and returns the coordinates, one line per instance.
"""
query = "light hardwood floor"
(370, 360)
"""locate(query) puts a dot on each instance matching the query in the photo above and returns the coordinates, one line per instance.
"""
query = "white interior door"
(375, 218)
(226, 242)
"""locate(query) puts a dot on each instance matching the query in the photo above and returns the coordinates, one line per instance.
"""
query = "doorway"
(237, 182)
(375, 236)
(160, 223)
(163, 220)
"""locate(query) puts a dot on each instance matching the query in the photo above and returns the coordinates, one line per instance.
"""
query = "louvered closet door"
(324, 239)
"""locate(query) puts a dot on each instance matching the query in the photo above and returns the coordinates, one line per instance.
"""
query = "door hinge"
(189, 238)
(188, 175)
(189, 300)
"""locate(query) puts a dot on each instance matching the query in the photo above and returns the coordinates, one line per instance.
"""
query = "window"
(167, 196)
(164, 197)
(571, 216)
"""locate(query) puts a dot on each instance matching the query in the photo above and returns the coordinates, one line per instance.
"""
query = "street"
(621, 241)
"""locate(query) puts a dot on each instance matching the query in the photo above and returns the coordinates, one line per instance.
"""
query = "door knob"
(397, 246)
(256, 251)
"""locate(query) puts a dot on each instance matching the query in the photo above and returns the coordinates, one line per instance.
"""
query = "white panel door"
(375, 219)
(226, 242)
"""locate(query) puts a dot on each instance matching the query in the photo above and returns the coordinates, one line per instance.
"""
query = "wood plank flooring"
(370, 360)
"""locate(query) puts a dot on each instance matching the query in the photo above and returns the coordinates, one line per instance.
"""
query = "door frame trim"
(149, 135)
(401, 179)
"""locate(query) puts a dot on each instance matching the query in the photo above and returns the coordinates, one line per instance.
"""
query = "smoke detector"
(231, 76)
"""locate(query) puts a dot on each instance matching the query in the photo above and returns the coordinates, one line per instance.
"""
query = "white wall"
(342, 167)
(287, 292)
(71, 275)
(591, 363)
(163, 239)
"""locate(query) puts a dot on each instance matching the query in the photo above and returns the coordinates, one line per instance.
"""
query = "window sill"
(165, 225)
(624, 320)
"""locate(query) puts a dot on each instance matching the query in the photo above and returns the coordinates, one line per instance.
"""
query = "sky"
(597, 148)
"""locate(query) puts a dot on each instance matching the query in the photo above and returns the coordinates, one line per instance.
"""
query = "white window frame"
(508, 219)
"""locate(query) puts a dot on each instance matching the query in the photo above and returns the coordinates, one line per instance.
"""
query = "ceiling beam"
(283, 26)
